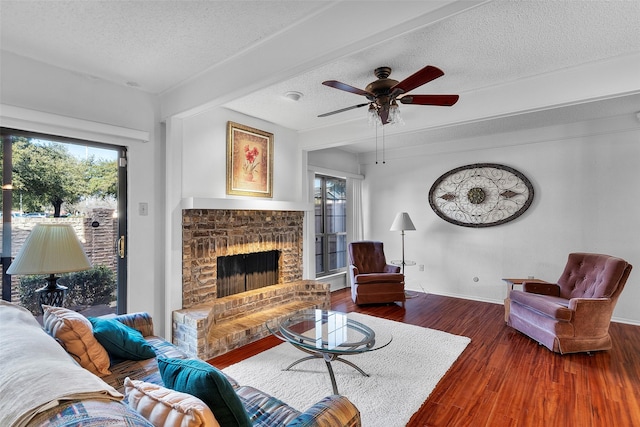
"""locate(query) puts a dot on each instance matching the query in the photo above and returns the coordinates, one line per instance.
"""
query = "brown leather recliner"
(573, 315)
(372, 279)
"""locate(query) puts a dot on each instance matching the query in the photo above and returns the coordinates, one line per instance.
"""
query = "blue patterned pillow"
(121, 341)
(90, 413)
(199, 379)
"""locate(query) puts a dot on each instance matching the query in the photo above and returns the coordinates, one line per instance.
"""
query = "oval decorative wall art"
(481, 195)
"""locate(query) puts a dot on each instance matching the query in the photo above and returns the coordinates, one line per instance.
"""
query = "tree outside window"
(46, 177)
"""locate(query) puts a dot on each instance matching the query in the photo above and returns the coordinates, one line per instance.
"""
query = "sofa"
(61, 381)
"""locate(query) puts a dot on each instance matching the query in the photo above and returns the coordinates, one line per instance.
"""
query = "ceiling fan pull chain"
(383, 159)
(376, 127)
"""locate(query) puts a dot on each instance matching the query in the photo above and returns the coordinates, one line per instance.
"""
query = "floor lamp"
(402, 222)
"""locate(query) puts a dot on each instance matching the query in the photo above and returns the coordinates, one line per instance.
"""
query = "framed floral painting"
(249, 161)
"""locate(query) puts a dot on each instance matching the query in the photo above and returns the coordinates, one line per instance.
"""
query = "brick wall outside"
(98, 242)
(210, 233)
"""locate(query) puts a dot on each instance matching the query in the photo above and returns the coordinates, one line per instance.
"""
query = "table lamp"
(50, 249)
(402, 222)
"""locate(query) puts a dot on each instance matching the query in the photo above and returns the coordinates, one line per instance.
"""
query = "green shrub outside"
(85, 288)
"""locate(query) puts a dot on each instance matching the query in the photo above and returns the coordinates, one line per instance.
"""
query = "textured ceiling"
(155, 44)
(488, 51)
(489, 45)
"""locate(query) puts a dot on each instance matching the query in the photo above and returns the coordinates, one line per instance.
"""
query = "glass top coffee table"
(328, 335)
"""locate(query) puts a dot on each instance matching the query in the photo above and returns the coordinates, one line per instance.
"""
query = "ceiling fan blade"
(343, 110)
(418, 78)
(347, 88)
(442, 100)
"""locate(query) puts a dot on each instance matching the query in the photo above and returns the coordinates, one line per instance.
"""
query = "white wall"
(42, 88)
(585, 178)
(205, 153)
(335, 159)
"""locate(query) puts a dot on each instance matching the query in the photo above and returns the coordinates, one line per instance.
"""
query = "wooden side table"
(510, 284)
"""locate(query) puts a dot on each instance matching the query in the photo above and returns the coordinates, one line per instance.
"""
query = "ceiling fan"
(384, 93)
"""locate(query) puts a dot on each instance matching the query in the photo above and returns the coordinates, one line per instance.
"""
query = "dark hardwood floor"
(503, 378)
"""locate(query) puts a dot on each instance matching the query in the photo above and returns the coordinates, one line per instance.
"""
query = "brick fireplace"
(211, 233)
(208, 325)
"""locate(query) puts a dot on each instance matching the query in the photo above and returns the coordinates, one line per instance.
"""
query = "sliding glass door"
(49, 179)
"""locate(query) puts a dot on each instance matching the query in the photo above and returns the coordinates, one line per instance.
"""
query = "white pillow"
(164, 407)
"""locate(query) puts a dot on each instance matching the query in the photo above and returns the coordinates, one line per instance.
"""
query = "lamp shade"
(402, 222)
(50, 249)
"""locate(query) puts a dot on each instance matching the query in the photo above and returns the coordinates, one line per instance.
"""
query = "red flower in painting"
(250, 156)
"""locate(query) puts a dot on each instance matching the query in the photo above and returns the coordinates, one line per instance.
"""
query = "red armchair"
(573, 315)
(372, 279)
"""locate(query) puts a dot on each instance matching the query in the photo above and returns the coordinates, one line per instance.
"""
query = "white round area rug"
(401, 377)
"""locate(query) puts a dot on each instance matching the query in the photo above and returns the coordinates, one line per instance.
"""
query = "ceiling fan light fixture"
(372, 116)
(293, 95)
(395, 118)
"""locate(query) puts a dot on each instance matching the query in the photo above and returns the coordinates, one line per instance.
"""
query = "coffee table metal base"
(328, 358)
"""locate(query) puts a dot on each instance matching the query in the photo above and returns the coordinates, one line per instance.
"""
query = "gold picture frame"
(249, 161)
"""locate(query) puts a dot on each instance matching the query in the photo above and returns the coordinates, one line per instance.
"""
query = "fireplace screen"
(245, 272)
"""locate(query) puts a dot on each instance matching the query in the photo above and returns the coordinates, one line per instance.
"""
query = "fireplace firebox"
(246, 272)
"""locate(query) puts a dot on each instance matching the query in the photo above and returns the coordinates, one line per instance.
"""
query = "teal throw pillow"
(205, 382)
(121, 341)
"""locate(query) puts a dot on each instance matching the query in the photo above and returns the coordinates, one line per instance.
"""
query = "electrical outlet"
(421, 267)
